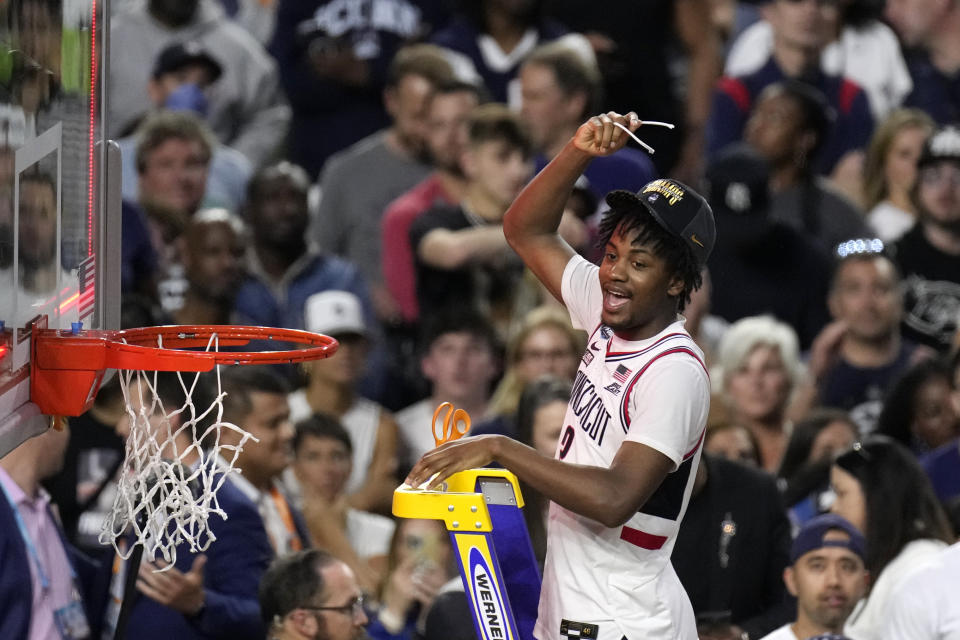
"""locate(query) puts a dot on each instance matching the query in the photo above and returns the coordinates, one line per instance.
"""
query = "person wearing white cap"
(332, 388)
(929, 254)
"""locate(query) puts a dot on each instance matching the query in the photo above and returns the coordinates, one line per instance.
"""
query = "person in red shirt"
(447, 117)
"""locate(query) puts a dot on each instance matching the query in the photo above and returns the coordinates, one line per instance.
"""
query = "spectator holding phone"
(421, 562)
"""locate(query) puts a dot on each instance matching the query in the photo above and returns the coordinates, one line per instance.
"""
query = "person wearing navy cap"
(827, 576)
(182, 74)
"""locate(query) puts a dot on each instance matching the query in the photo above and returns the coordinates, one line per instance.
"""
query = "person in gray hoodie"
(246, 107)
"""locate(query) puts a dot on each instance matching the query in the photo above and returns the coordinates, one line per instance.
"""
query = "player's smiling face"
(639, 291)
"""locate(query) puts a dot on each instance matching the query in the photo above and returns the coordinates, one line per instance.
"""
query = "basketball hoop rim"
(180, 337)
(67, 368)
(137, 348)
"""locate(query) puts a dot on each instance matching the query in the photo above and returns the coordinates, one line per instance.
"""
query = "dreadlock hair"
(628, 216)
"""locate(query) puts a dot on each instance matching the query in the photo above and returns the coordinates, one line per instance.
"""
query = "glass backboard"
(57, 241)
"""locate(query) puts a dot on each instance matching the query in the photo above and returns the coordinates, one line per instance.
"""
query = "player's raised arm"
(531, 223)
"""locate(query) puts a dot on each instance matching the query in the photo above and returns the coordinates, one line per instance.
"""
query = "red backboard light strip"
(93, 124)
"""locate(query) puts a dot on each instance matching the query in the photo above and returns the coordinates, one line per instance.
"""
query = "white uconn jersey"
(608, 583)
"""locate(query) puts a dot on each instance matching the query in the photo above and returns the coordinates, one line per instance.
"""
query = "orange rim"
(180, 337)
(67, 368)
(139, 348)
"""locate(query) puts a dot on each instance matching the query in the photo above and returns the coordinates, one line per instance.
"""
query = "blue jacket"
(734, 98)
(16, 592)
(943, 468)
(462, 36)
(329, 115)
(935, 92)
(257, 304)
(236, 560)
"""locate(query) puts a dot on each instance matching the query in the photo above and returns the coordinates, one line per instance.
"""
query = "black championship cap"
(176, 56)
(944, 144)
(679, 209)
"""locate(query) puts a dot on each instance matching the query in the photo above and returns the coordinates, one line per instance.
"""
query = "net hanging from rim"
(176, 458)
(167, 493)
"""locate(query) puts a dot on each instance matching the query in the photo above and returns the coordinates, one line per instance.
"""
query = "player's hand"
(599, 136)
(180, 591)
(447, 459)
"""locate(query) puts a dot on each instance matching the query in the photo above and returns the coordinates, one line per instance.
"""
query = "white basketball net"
(167, 491)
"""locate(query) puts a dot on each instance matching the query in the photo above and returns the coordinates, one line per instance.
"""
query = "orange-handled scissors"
(453, 426)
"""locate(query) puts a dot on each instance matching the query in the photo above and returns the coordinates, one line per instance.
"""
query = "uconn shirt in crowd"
(654, 392)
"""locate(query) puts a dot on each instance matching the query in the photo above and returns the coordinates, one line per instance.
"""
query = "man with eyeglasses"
(310, 595)
(929, 254)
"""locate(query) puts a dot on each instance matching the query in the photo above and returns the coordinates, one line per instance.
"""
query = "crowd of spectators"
(343, 166)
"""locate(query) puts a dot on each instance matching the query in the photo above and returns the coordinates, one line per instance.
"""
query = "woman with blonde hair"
(890, 171)
(544, 344)
(758, 366)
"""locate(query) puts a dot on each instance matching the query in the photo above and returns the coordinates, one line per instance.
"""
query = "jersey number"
(565, 441)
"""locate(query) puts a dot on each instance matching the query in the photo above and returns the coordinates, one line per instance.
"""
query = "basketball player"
(626, 461)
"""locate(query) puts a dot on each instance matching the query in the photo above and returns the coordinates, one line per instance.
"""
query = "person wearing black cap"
(180, 74)
(828, 577)
(628, 455)
(929, 254)
(759, 257)
(247, 109)
(183, 79)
